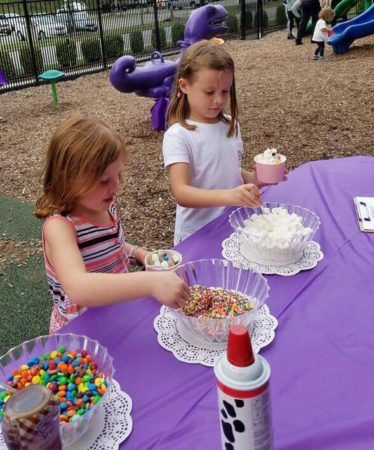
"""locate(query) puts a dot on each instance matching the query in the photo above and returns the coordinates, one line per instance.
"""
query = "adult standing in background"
(309, 9)
(292, 16)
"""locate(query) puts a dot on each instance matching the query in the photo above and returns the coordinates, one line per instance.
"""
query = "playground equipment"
(345, 33)
(52, 76)
(340, 10)
(155, 78)
(3, 79)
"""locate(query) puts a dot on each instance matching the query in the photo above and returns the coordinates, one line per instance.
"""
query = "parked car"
(5, 26)
(12, 19)
(180, 4)
(44, 25)
(78, 20)
(48, 25)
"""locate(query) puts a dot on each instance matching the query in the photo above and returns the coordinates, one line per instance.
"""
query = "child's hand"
(171, 290)
(245, 195)
(260, 185)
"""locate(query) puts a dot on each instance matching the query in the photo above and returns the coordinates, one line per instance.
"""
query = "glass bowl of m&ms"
(221, 295)
(78, 370)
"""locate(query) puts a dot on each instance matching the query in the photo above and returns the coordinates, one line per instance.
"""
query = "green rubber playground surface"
(25, 305)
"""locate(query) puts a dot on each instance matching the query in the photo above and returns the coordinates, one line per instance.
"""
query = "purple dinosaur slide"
(155, 78)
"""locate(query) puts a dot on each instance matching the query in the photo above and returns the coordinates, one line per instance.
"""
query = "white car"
(48, 25)
(78, 20)
(43, 25)
(5, 25)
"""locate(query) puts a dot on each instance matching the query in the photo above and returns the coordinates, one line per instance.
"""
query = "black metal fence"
(77, 37)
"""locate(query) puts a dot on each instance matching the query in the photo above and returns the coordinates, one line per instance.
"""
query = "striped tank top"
(102, 249)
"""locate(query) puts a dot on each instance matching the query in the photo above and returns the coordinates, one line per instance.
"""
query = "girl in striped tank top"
(85, 252)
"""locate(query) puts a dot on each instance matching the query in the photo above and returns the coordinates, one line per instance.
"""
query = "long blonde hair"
(78, 154)
(201, 55)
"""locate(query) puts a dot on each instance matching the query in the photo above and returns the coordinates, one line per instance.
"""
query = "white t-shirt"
(318, 35)
(215, 163)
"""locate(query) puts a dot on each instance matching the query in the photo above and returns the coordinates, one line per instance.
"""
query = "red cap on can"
(239, 348)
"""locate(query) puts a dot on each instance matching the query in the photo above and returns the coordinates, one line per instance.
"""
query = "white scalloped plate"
(186, 347)
(311, 256)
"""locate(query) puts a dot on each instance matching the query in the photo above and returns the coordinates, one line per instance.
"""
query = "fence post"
(30, 38)
(243, 19)
(157, 28)
(260, 29)
(101, 33)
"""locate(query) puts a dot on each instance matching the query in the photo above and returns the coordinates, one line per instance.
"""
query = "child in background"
(203, 148)
(321, 32)
(86, 256)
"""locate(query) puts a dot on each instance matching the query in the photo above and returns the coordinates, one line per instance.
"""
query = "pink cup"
(270, 173)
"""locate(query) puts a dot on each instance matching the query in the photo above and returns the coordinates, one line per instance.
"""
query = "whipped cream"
(276, 228)
(270, 156)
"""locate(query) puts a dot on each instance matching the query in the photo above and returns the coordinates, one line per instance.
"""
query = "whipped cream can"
(243, 395)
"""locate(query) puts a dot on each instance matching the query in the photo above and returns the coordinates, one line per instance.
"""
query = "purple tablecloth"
(322, 381)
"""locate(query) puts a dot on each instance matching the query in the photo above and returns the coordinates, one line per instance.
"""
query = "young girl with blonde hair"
(321, 32)
(203, 148)
(86, 256)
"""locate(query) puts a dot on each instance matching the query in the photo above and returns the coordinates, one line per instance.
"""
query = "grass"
(25, 303)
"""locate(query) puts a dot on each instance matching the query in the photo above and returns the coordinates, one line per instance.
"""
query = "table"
(322, 383)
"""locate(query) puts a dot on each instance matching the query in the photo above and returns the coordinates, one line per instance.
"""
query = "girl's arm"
(191, 197)
(99, 289)
(139, 253)
(249, 177)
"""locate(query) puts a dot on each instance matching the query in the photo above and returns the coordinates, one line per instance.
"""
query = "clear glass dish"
(15, 357)
(221, 273)
(284, 250)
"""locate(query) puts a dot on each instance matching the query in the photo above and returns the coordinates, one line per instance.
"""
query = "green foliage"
(26, 60)
(91, 50)
(136, 42)
(232, 23)
(66, 52)
(6, 64)
(177, 32)
(248, 19)
(265, 19)
(163, 43)
(281, 18)
(113, 44)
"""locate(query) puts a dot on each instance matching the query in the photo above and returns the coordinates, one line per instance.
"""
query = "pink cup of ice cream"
(270, 166)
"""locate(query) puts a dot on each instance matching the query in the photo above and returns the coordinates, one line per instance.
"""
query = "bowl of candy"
(78, 370)
(163, 260)
(221, 295)
(275, 233)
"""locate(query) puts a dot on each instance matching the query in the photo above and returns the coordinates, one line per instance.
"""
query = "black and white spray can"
(243, 395)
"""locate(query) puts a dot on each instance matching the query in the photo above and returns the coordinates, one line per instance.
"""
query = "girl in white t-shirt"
(203, 148)
(321, 32)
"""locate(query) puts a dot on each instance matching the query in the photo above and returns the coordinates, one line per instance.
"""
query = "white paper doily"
(312, 254)
(186, 347)
(110, 426)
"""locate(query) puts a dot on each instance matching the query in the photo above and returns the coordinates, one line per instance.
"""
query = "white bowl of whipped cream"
(276, 233)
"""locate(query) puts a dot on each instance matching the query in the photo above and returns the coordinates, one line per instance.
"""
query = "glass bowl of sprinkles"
(221, 295)
(78, 370)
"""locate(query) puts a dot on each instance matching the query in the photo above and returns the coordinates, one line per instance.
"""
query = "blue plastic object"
(346, 32)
